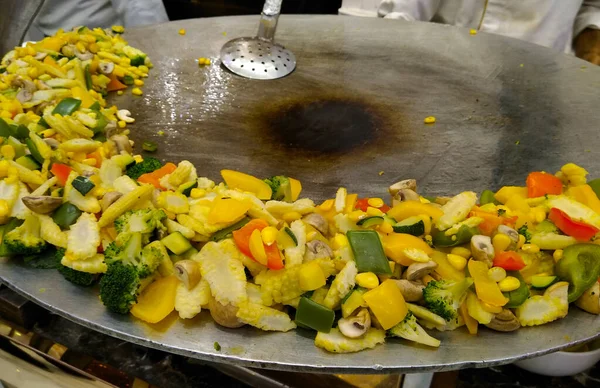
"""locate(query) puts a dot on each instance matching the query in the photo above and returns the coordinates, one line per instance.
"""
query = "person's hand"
(587, 46)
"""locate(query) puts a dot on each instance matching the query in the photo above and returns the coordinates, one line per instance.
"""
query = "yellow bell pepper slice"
(444, 268)
(245, 182)
(52, 43)
(394, 245)
(227, 210)
(157, 301)
(508, 192)
(296, 188)
(350, 202)
(387, 303)
(414, 208)
(470, 322)
(86, 98)
(311, 276)
(487, 290)
(585, 195)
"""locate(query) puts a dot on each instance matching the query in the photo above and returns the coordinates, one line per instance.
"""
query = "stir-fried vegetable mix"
(159, 237)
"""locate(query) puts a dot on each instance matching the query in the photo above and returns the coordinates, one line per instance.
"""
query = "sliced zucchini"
(83, 184)
(541, 282)
(34, 151)
(369, 222)
(228, 231)
(286, 238)
(176, 243)
(187, 187)
(412, 225)
(546, 226)
(29, 162)
(124, 161)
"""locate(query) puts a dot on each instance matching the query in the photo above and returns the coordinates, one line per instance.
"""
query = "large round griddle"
(353, 108)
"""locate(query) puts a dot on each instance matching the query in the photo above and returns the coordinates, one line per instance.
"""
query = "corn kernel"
(531, 248)
(461, 251)
(138, 158)
(367, 280)
(473, 31)
(357, 215)
(119, 92)
(89, 161)
(33, 72)
(121, 124)
(8, 152)
(509, 283)
(4, 209)
(373, 211)
(269, 235)
(81, 47)
(12, 178)
(182, 32)
(340, 241)
(291, 217)
(501, 242)
(118, 29)
(311, 276)
(457, 261)
(375, 202)
(426, 279)
(197, 193)
(138, 82)
(521, 241)
(160, 133)
(429, 120)
(137, 91)
(386, 228)
(143, 68)
(557, 255)
(497, 274)
(257, 247)
(4, 166)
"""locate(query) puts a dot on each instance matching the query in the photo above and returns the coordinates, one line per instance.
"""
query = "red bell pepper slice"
(541, 183)
(61, 172)
(509, 260)
(242, 240)
(363, 204)
(580, 230)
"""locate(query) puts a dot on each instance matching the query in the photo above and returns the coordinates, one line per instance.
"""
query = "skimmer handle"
(268, 20)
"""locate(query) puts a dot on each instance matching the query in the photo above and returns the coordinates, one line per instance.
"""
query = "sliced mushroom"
(39, 56)
(24, 95)
(122, 143)
(84, 56)
(53, 143)
(482, 249)
(42, 204)
(590, 300)
(110, 198)
(317, 221)
(111, 129)
(510, 232)
(317, 249)
(357, 325)
(411, 291)
(418, 270)
(42, 85)
(410, 184)
(224, 315)
(504, 321)
(404, 195)
(106, 68)
(26, 88)
(68, 50)
(188, 271)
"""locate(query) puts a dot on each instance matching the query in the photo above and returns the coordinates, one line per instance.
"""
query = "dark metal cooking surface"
(354, 107)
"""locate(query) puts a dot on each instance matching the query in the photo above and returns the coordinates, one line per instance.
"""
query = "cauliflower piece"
(110, 171)
(284, 285)
(295, 255)
(84, 238)
(51, 232)
(93, 264)
(343, 223)
(456, 209)
(205, 183)
(341, 285)
(254, 294)
(221, 266)
(189, 302)
(264, 318)
(197, 220)
(302, 206)
(124, 184)
(336, 342)
(19, 210)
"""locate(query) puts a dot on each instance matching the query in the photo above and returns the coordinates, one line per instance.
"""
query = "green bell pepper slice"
(463, 236)
(313, 315)
(594, 184)
(88, 78)
(487, 196)
(580, 266)
(228, 231)
(66, 215)
(368, 252)
(34, 151)
(518, 296)
(4, 128)
(67, 106)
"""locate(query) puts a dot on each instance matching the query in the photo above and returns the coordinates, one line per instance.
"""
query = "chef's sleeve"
(140, 12)
(588, 17)
(410, 10)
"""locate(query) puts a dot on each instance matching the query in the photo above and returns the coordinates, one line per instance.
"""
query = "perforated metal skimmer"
(260, 57)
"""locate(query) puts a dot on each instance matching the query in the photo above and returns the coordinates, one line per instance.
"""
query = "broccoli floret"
(410, 330)
(280, 185)
(76, 277)
(25, 239)
(444, 297)
(140, 221)
(145, 166)
(127, 249)
(524, 231)
(119, 287)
